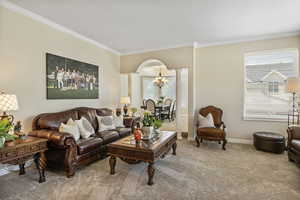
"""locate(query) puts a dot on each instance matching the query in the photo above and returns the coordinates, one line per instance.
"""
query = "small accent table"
(19, 151)
(146, 151)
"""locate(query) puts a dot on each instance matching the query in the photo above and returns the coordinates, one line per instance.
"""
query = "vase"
(147, 132)
(2, 142)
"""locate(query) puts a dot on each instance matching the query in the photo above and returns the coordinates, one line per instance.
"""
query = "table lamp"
(8, 102)
(126, 102)
(293, 86)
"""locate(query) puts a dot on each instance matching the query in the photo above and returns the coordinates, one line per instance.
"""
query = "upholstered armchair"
(216, 133)
(293, 144)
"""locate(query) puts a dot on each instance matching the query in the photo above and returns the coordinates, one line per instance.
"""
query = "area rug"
(207, 173)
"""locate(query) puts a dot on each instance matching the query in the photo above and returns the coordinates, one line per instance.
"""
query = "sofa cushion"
(53, 120)
(296, 144)
(105, 123)
(108, 136)
(89, 114)
(207, 121)
(211, 132)
(89, 144)
(123, 132)
(71, 127)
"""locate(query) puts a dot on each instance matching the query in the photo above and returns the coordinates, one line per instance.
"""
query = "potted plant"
(5, 126)
(160, 100)
(149, 124)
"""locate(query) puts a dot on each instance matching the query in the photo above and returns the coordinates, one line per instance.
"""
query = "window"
(273, 87)
(266, 73)
(151, 91)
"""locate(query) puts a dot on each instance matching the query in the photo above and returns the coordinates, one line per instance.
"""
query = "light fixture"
(126, 102)
(160, 81)
(8, 102)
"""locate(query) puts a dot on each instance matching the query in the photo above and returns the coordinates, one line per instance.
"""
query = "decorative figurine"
(137, 134)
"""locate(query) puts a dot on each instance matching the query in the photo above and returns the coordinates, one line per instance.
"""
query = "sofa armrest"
(57, 138)
(293, 133)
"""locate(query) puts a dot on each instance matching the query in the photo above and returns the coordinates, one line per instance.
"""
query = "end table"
(21, 150)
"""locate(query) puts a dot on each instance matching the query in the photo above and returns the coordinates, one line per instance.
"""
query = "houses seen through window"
(266, 75)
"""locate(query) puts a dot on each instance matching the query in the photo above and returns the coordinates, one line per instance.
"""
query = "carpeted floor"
(207, 173)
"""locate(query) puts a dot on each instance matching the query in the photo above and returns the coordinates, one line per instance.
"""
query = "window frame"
(262, 52)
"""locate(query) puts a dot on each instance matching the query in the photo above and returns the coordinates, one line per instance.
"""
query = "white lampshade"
(8, 102)
(293, 85)
(125, 100)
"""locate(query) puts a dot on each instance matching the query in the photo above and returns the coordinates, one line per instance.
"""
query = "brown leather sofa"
(64, 152)
(293, 145)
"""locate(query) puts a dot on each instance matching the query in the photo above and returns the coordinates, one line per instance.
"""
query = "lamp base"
(9, 117)
(125, 110)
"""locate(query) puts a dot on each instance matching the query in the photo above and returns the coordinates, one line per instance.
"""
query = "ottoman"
(270, 142)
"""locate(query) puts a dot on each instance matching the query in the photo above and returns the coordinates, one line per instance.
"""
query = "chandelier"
(160, 81)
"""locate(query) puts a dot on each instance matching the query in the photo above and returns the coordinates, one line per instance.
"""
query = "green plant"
(5, 126)
(160, 100)
(149, 120)
(157, 124)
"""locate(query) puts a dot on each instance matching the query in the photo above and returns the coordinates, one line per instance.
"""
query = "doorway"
(154, 80)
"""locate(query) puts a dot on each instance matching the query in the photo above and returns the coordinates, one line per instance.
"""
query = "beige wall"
(23, 44)
(174, 58)
(220, 82)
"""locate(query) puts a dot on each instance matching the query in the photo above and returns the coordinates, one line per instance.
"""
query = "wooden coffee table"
(20, 151)
(146, 151)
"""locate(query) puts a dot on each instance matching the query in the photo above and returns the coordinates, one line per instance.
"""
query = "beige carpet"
(207, 173)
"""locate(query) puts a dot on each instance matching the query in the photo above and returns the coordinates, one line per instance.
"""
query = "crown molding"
(157, 49)
(15, 8)
(253, 39)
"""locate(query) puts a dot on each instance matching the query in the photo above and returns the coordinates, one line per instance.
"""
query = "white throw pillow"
(71, 127)
(105, 123)
(85, 128)
(207, 121)
(87, 125)
(118, 121)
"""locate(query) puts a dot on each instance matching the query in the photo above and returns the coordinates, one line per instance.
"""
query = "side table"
(21, 150)
(130, 121)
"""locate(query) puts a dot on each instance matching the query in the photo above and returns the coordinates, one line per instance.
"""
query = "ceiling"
(136, 25)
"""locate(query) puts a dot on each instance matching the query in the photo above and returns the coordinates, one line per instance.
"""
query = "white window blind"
(266, 73)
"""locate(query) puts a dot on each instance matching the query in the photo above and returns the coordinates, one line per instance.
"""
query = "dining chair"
(173, 112)
(167, 113)
(144, 102)
(150, 106)
(168, 102)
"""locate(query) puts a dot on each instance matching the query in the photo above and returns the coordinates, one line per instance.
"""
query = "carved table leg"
(174, 147)
(151, 171)
(22, 169)
(40, 162)
(112, 163)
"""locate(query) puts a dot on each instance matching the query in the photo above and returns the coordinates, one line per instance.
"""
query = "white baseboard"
(240, 141)
(233, 140)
